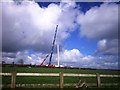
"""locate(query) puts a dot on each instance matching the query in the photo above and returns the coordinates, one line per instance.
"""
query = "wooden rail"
(57, 74)
(61, 75)
(73, 84)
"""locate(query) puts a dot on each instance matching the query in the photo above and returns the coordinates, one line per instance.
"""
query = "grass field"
(54, 80)
(56, 70)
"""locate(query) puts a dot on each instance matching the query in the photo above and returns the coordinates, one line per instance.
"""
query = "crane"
(51, 50)
(53, 47)
(41, 65)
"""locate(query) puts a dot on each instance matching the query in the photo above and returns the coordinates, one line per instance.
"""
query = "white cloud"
(108, 47)
(67, 57)
(100, 22)
(88, 58)
(27, 25)
(9, 54)
(35, 58)
(73, 55)
(8, 60)
(102, 44)
(75, 58)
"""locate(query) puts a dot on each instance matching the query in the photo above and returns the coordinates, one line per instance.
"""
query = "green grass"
(55, 70)
(55, 80)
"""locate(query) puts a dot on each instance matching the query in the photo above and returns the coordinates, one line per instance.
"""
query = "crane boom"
(53, 46)
(44, 60)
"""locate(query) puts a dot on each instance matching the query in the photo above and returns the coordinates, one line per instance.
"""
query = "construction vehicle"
(42, 65)
(50, 65)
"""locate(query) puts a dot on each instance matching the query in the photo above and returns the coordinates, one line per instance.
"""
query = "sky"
(87, 33)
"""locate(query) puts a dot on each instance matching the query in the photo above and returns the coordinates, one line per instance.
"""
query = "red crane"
(51, 51)
(41, 65)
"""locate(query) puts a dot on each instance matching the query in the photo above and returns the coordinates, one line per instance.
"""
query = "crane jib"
(53, 45)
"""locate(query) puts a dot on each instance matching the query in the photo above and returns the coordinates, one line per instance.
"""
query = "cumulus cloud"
(67, 58)
(8, 54)
(26, 25)
(75, 58)
(100, 22)
(108, 47)
(71, 55)
(33, 58)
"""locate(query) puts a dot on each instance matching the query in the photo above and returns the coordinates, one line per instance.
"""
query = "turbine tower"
(58, 55)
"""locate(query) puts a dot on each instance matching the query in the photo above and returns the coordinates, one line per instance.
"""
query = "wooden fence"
(61, 76)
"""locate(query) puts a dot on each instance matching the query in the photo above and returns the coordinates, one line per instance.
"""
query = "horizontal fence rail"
(61, 76)
(74, 84)
(57, 74)
(37, 74)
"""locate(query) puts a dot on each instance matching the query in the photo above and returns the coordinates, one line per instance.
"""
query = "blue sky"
(87, 33)
(85, 6)
(85, 45)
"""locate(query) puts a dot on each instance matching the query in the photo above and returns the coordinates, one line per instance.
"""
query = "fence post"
(61, 80)
(98, 80)
(13, 80)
